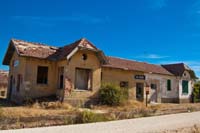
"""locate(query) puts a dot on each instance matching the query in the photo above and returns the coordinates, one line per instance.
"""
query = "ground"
(174, 123)
(55, 113)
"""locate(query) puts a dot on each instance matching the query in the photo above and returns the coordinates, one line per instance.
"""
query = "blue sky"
(154, 31)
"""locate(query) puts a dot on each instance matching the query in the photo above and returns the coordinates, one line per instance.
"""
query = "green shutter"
(185, 87)
(169, 85)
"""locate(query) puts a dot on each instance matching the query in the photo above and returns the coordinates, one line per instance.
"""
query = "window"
(42, 75)
(169, 85)
(185, 87)
(3, 93)
(124, 84)
(84, 56)
(153, 86)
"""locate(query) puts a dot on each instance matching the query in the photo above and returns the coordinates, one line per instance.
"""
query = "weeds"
(89, 117)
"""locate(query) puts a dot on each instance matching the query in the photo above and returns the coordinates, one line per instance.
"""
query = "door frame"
(142, 97)
(10, 87)
(61, 73)
(90, 78)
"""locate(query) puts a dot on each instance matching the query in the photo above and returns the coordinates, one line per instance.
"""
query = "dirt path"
(140, 125)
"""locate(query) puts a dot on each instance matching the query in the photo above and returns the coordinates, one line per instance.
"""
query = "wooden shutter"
(169, 85)
(185, 86)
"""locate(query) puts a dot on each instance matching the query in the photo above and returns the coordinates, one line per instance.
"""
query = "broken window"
(84, 56)
(3, 93)
(153, 86)
(124, 84)
(42, 75)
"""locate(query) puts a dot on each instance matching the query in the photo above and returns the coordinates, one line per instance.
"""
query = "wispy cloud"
(157, 4)
(50, 20)
(151, 56)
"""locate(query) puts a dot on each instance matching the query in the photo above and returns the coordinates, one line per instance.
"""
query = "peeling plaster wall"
(91, 63)
(185, 97)
(14, 71)
(161, 81)
(31, 88)
(115, 76)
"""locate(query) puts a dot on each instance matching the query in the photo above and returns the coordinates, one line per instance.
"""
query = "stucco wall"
(161, 81)
(31, 87)
(14, 71)
(115, 76)
(185, 97)
(91, 63)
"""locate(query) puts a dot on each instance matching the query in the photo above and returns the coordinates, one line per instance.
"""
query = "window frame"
(124, 84)
(183, 89)
(44, 81)
(153, 86)
(169, 85)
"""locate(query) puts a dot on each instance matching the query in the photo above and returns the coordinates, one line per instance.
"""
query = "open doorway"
(10, 87)
(61, 77)
(140, 91)
(83, 79)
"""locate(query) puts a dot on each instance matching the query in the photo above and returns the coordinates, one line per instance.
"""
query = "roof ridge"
(34, 43)
(134, 60)
(71, 43)
(173, 64)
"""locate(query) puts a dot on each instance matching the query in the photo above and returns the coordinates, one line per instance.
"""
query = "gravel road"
(140, 125)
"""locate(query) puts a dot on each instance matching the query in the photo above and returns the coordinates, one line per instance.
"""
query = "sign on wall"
(140, 77)
(16, 63)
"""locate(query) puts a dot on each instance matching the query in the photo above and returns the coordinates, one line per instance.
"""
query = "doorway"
(10, 87)
(140, 91)
(154, 92)
(61, 77)
(83, 79)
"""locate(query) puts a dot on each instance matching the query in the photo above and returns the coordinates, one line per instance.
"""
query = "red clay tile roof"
(66, 50)
(33, 49)
(125, 64)
(42, 51)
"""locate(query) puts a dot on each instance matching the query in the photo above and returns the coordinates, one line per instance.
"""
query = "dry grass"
(37, 110)
(129, 105)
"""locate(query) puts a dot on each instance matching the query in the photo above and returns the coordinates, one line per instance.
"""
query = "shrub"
(196, 92)
(89, 117)
(110, 94)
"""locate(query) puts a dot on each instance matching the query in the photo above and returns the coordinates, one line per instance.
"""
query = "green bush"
(89, 117)
(110, 94)
(196, 92)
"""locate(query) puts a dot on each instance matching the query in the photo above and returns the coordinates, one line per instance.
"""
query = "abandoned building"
(3, 83)
(77, 70)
